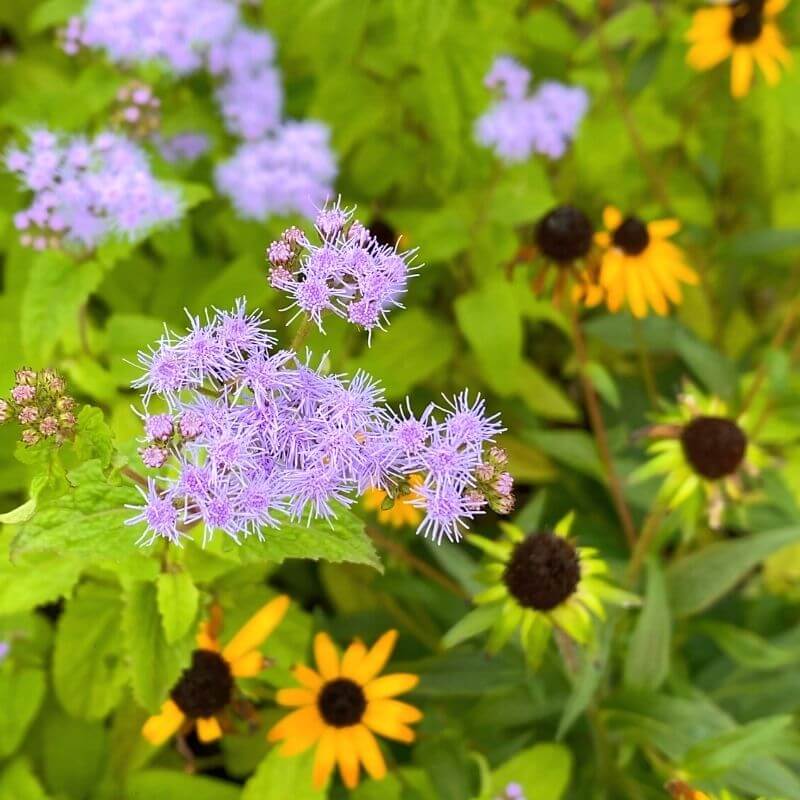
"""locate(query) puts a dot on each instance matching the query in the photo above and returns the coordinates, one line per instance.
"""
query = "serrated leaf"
(93, 437)
(21, 694)
(177, 603)
(89, 672)
(156, 664)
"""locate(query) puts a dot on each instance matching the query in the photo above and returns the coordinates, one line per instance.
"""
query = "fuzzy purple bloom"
(187, 146)
(518, 125)
(159, 514)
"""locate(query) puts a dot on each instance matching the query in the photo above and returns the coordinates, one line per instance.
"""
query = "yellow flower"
(401, 513)
(682, 791)
(206, 687)
(341, 705)
(639, 266)
(746, 32)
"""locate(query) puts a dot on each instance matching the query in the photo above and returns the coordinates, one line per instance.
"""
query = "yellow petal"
(768, 66)
(653, 293)
(741, 71)
(773, 7)
(710, 24)
(389, 727)
(633, 289)
(324, 758)
(347, 756)
(298, 724)
(390, 685)
(248, 666)
(295, 697)
(705, 55)
(307, 677)
(771, 42)
(160, 727)
(205, 640)
(256, 629)
(376, 658)
(612, 218)
(369, 752)
(326, 656)
(663, 228)
(602, 239)
(394, 710)
(208, 730)
(352, 658)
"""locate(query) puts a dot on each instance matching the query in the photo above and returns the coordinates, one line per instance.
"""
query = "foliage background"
(704, 678)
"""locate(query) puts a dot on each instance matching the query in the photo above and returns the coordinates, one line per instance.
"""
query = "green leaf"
(74, 753)
(543, 396)
(17, 782)
(415, 346)
(343, 538)
(89, 672)
(57, 288)
(94, 438)
(52, 13)
(543, 771)
(21, 694)
(171, 785)
(490, 319)
(177, 602)
(476, 621)
(700, 579)
(156, 664)
(647, 660)
(36, 580)
(20, 514)
(747, 648)
(279, 778)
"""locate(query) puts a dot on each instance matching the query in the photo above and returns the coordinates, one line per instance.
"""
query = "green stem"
(302, 334)
(644, 363)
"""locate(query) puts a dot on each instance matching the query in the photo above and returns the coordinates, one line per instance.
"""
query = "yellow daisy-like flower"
(537, 582)
(679, 790)
(639, 267)
(400, 513)
(703, 452)
(341, 705)
(206, 688)
(744, 31)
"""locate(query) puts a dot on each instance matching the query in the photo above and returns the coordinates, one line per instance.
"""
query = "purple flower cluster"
(518, 124)
(182, 146)
(254, 435)
(138, 111)
(289, 171)
(349, 273)
(85, 191)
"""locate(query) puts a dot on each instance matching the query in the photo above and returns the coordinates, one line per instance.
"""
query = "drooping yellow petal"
(307, 677)
(390, 685)
(296, 724)
(663, 228)
(741, 71)
(158, 728)
(208, 730)
(347, 756)
(773, 7)
(705, 55)
(633, 289)
(612, 218)
(304, 737)
(394, 710)
(295, 697)
(369, 752)
(248, 666)
(375, 660)
(326, 656)
(324, 758)
(352, 658)
(710, 24)
(252, 635)
(652, 291)
(389, 727)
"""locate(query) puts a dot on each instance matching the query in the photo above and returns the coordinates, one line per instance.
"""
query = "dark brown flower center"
(748, 21)
(631, 236)
(564, 234)
(342, 703)
(205, 687)
(714, 446)
(543, 571)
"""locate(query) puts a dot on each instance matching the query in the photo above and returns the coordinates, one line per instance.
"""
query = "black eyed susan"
(207, 688)
(704, 454)
(679, 790)
(744, 31)
(640, 268)
(538, 582)
(341, 705)
(396, 511)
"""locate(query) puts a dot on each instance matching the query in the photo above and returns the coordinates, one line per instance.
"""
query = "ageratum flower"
(704, 455)
(187, 146)
(254, 436)
(341, 705)
(348, 273)
(204, 694)
(537, 582)
(518, 125)
(513, 791)
(745, 31)
(396, 510)
(290, 171)
(87, 190)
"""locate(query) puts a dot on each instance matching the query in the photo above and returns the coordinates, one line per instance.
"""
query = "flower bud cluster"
(137, 110)
(165, 434)
(493, 484)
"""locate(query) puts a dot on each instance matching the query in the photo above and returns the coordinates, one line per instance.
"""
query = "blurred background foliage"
(703, 680)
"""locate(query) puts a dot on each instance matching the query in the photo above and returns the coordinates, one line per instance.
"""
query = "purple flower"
(187, 146)
(447, 510)
(23, 394)
(251, 103)
(159, 427)
(154, 456)
(513, 791)
(190, 424)
(5, 649)
(518, 124)
(289, 171)
(158, 513)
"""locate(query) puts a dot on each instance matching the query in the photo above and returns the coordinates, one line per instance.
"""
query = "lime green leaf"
(17, 782)
(697, 581)
(278, 778)
(94, 438)
(647, 661)
(21, 694)
(20, 514)
(35, 580)
(156, 664)
(543, 396)
(52, 13)
(177, 602)
(89, 672)
(543, 771)
(476, 621)
(74, 753)
(163, 783)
